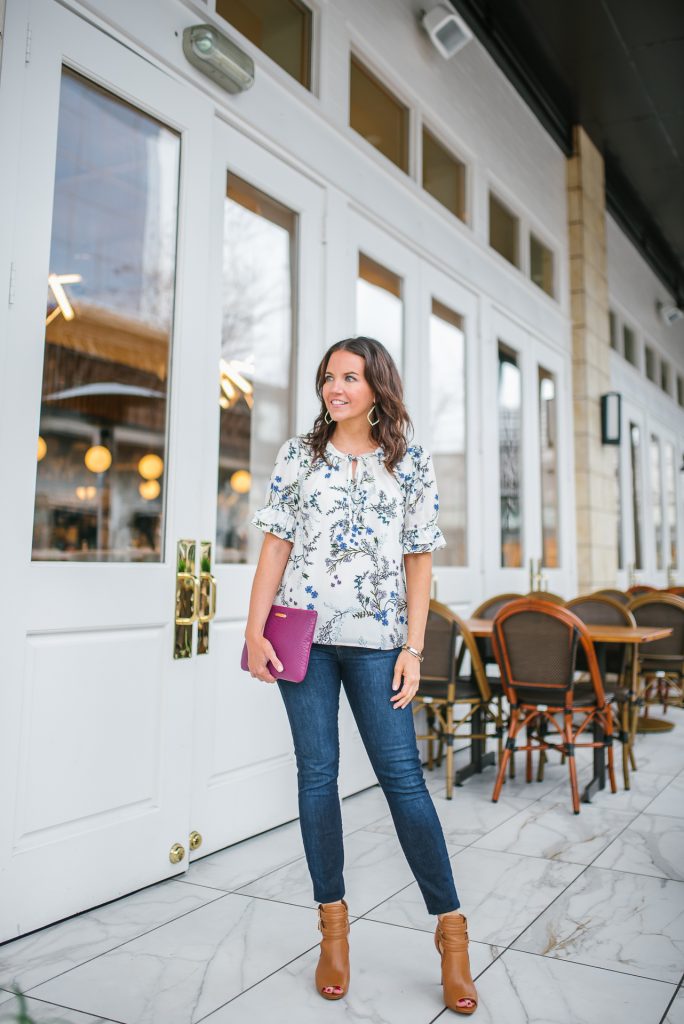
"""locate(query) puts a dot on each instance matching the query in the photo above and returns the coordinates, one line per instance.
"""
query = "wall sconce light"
(219, 58)
(611, 417)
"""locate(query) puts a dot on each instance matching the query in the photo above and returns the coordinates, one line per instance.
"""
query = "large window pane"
(650, 364)
(510, 457)
(281, 28)
(671, 499)
(503, 230)
(443, 175)
(379, 306)
(548, 451)
(378, 115)
(102, 447)
(448, 429)
(635, 461)
(657, 499)
(255, 370)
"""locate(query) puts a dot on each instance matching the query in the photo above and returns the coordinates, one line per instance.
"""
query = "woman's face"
(346, 392)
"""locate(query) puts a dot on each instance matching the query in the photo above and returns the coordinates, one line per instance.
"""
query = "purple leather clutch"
(290, 632)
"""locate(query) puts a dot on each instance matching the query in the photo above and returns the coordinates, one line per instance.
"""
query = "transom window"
(629, 344)
(651, 364)
(281, 28)
(541, 265)
(613, 329)
(443, 175)
(504, 228)
(378, 115)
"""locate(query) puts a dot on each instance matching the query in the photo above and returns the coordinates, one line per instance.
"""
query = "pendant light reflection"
(149, 489)
(233, 384)
(241, 481)
(42, 448)
(98, 459)
(86, 493)
(151, 466)
(56, 284)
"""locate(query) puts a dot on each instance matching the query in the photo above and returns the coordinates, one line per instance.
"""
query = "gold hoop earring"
(327, 417)
(373, 423)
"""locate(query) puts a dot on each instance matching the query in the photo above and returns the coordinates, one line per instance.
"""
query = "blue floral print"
(349, 534)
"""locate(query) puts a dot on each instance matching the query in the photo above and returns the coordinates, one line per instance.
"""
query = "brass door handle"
(187, 581)
(206, 577)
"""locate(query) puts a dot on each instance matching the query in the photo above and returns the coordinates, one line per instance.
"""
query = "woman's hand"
(259, 653)
(406, 670)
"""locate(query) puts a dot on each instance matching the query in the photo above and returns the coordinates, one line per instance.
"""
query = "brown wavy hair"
(391, 433)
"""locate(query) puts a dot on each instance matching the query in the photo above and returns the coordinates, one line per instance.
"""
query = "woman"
(350, 525)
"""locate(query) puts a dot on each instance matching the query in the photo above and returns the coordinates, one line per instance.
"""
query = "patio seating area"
(573, 919)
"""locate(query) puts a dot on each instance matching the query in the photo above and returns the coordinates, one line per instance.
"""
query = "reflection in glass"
(443, 175)
(448, 429)
(281, 28)
(510, 457)
(379, 116)
(671, 499)
(110, 296)
(503, 230)
(541, 265)
(548, 451)
(379, 306)
(618, 503)
(657, 499)
(635, 461)
(255, 370)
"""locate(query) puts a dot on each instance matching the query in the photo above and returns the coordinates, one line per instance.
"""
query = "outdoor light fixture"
(448, 32)
(669, 314)
(611, 417)
(216, 56)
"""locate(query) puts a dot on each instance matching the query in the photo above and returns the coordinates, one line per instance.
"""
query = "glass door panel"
(656, 500)
(102, 448)
(448, 430)
(510, 458)
(256, 364)
(380, 307)
(548, 452)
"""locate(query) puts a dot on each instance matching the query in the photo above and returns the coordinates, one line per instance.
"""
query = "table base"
(654, 725)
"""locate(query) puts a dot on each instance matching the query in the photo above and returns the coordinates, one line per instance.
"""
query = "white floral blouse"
(349, 535)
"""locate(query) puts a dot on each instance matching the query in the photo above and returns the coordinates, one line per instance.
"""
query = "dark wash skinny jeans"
(389, 737)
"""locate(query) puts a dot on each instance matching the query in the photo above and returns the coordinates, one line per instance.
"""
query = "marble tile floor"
(573, 919)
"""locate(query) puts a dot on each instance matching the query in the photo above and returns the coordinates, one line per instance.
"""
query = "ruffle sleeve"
(421, 507)
(279, 514)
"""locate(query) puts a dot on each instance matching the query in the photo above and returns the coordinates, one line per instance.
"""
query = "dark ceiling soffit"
(519, 73)
(621, 201)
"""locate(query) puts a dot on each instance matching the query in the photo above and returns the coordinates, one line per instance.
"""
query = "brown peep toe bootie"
(451, 940)
(332, 972)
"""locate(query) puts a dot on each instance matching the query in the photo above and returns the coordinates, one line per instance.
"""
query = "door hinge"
(10, 294)
(27, 54)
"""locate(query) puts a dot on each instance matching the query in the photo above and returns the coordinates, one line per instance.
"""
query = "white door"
(527, 506)
(108, 218)
(266, 287)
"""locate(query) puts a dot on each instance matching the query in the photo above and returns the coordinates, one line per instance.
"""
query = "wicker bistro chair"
(487, 610)
(603, 610)
(661, 663)
(618, 595)
(677, 591)
(546, 595)
(536, 645)
(441, 688)
(641, 588)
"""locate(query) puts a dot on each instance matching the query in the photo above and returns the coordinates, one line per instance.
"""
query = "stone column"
(595, 464)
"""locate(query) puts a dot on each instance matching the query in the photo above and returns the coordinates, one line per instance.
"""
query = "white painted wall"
(634, 291)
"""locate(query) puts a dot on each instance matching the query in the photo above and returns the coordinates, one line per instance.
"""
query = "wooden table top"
(599, 634)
